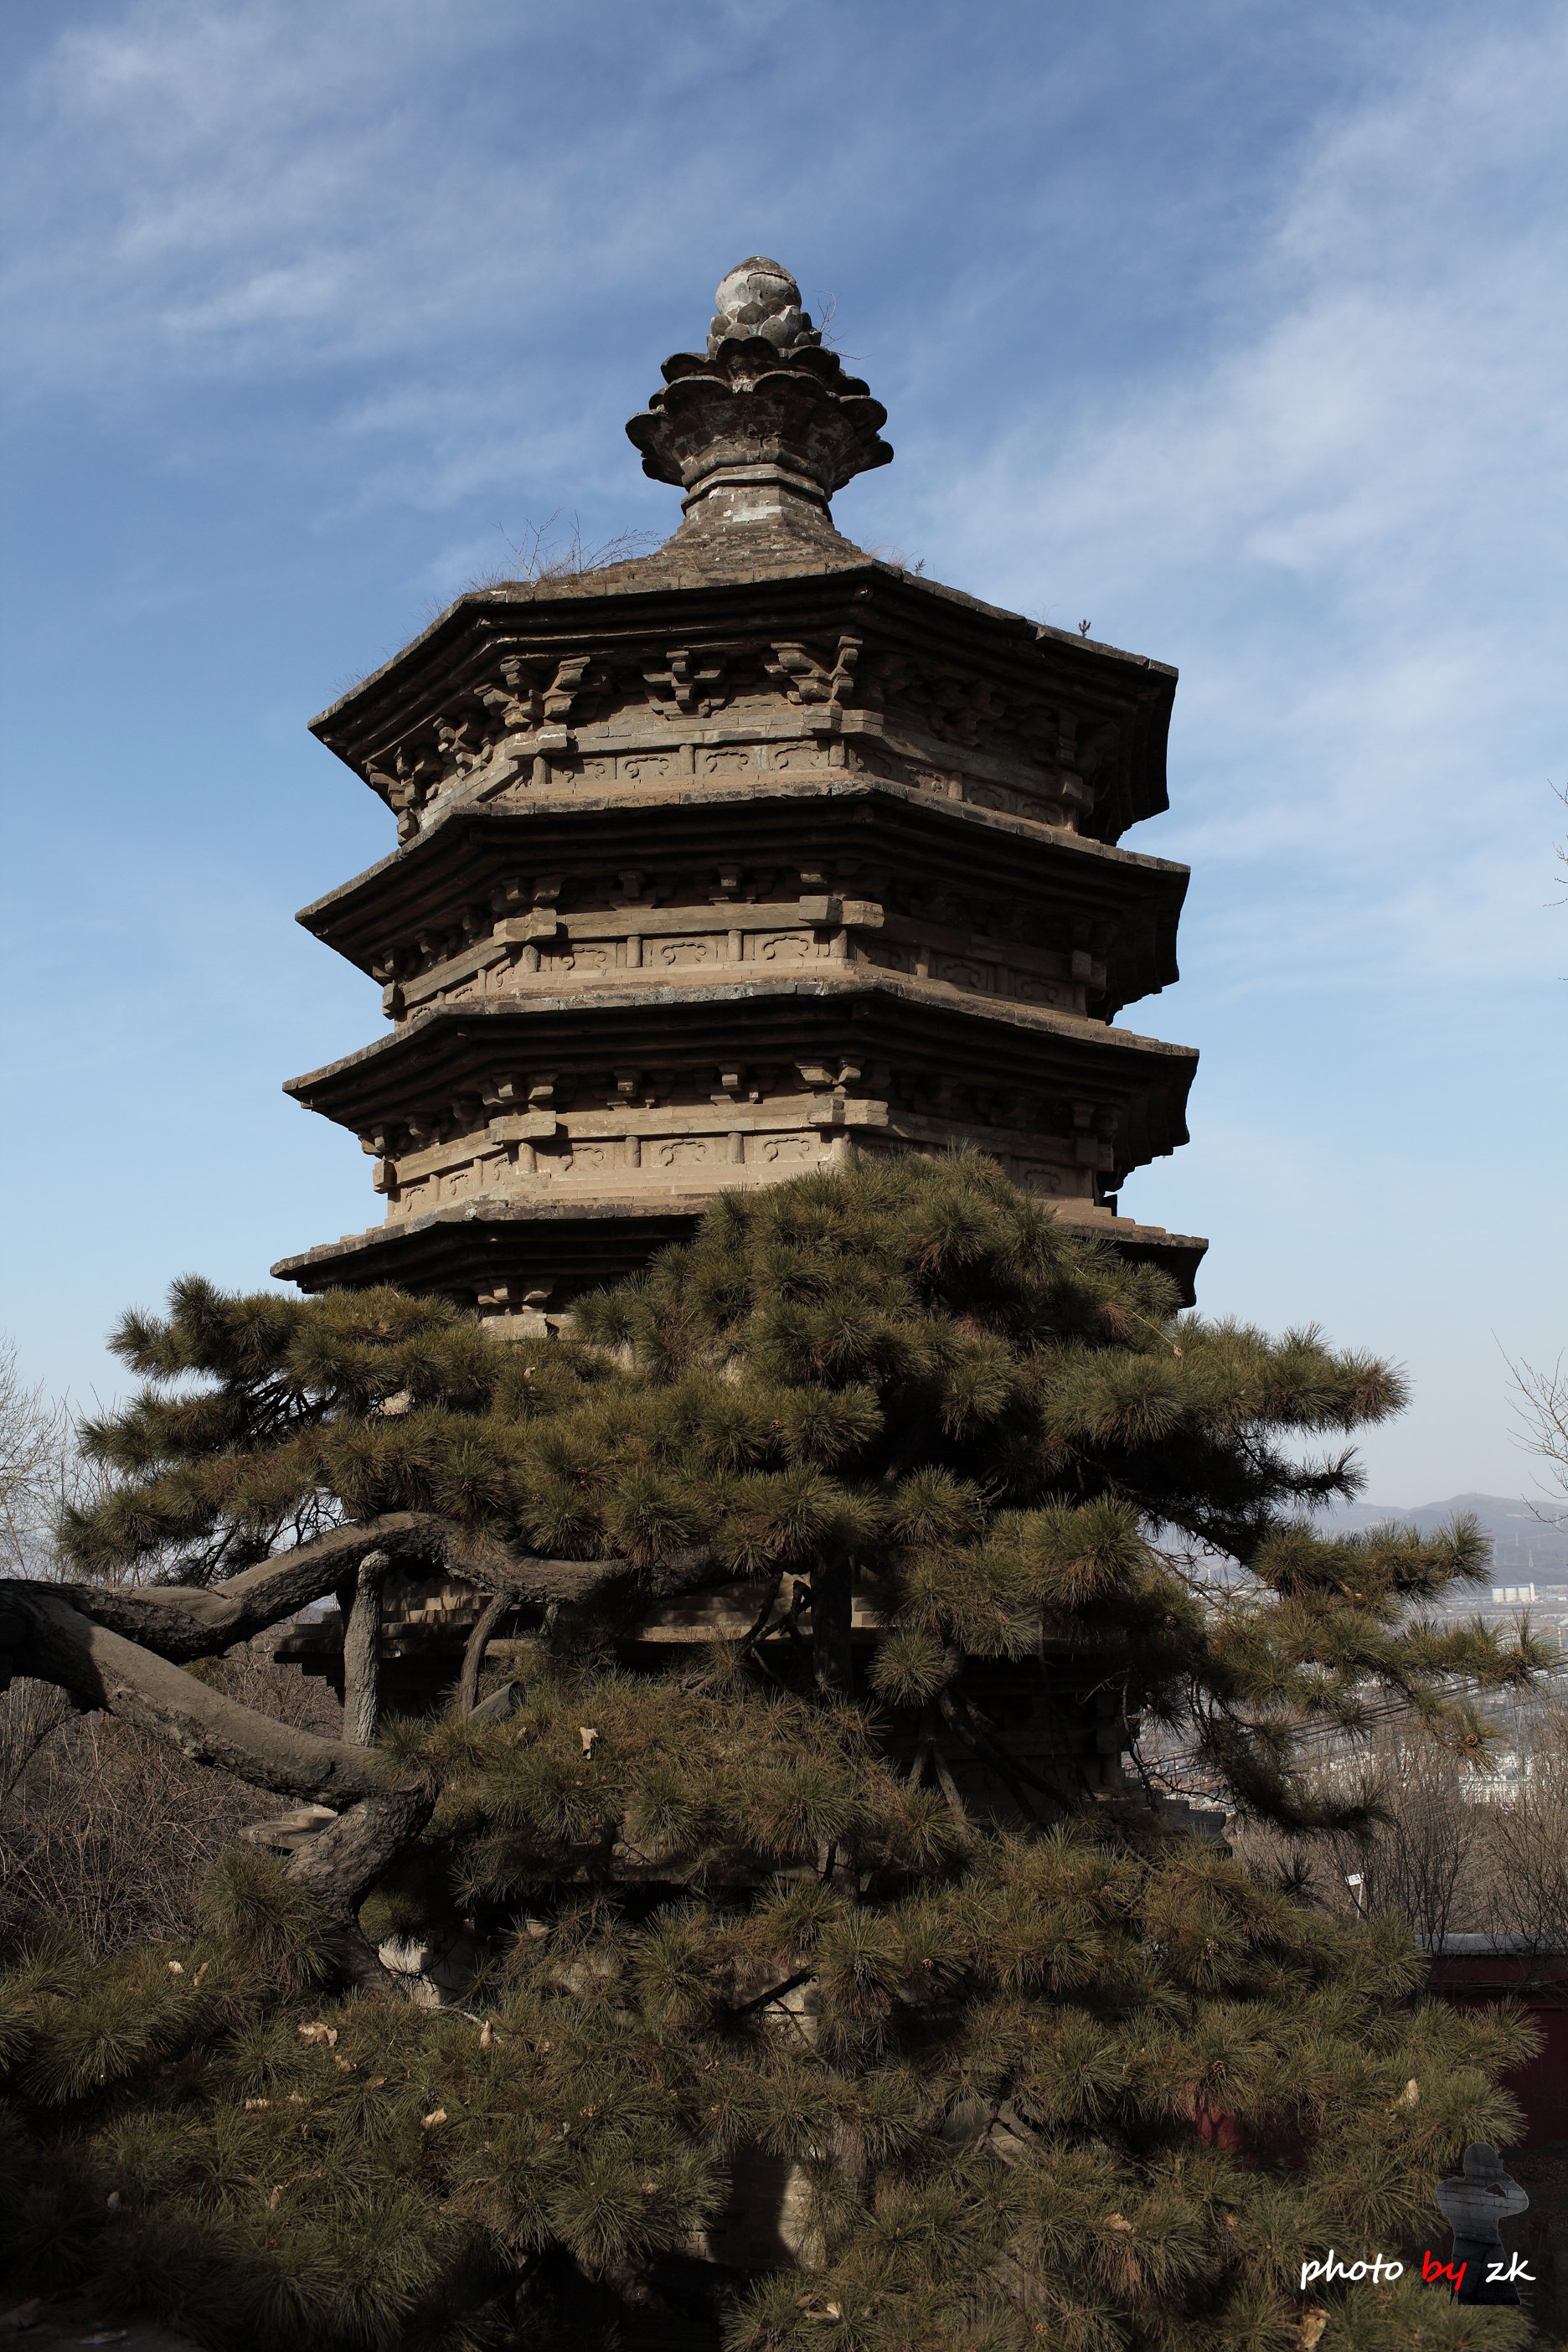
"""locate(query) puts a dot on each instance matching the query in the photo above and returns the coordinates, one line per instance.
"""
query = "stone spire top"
(759, 296)
(764, 426)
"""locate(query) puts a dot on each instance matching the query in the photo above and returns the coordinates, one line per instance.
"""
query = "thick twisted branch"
(343, 1862)
(118, 1650)
(44, 1635)
(184, 1621)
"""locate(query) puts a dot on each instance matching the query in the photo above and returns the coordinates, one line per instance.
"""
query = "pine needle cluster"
(1068, 2095)
(1043, 2074)
(907, 1367)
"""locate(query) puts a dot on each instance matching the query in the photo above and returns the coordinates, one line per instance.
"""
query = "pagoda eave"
(491, 1247)
(631, 610)
(461, 1049)
(470, 849)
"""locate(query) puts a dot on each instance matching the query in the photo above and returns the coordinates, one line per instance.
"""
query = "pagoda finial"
(765, 413)
(759, 296)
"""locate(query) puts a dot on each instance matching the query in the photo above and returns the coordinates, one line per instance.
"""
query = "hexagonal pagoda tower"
(731, 860)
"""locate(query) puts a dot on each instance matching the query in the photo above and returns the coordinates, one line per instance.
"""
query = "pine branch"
(44, 1637)
(791, 1983)
(362, 1650)
(478, 1643)
(181, 1621)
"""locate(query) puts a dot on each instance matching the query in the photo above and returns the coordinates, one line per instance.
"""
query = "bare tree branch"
(474, 1652)
(42, 1634)
(182, 1621)
(1541, 1410)
(362, 1650)
(343, 1861)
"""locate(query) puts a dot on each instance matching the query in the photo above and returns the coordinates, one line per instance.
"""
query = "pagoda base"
(521, 1263)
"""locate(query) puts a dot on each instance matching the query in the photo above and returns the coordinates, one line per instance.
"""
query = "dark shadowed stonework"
(731, 860)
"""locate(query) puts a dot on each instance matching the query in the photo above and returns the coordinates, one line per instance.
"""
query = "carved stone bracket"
(690, 685)
(517, 703)
(805, 679)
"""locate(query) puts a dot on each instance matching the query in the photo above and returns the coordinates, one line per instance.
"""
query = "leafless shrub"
(1420, 1862)
(1451, 1853)
(537, 557)
(913, 564)
(38, 1468)
(1529, 1835)
(534, 558)
(101, 1829)
(111, 1832)
(30, 1712)
(1423, 1861)
(35, 1460)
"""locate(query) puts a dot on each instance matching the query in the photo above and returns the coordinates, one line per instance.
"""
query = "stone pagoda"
(737, 859)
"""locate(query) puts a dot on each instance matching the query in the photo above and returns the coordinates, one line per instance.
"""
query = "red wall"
(1540, 1981)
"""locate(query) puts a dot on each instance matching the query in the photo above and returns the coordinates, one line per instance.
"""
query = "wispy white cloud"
(211, 190)
(220, 188)
(1341, 516)
(1334, 502)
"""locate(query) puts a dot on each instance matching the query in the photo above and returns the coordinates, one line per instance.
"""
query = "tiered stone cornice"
(656, 677)
(736, 1080)
(724, 862)
(510, 902)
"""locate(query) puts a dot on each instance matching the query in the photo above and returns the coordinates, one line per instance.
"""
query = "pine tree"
(801, 1933)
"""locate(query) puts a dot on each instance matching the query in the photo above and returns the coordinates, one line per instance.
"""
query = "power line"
(1323, 1733)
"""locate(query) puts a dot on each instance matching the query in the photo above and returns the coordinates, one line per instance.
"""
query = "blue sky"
(1237, 330)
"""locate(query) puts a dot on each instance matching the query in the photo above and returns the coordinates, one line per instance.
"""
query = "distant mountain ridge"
(1527, 1541)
